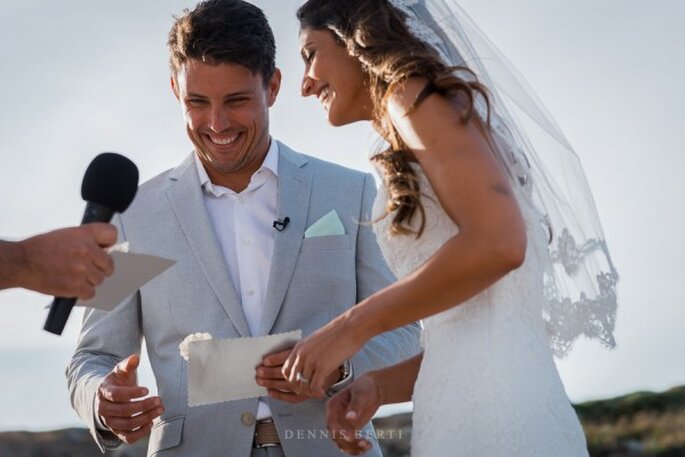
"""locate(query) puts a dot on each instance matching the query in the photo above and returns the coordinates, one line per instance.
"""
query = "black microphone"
(108, 187)
(281, 224)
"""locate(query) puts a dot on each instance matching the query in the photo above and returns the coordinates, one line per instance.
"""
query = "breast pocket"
(331, 242)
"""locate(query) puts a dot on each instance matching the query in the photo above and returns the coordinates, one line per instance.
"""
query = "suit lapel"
(185, 195)
(294, 188)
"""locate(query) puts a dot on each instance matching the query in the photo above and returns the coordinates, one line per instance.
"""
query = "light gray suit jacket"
(310, 282)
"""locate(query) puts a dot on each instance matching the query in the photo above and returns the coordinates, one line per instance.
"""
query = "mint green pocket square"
(326, 226)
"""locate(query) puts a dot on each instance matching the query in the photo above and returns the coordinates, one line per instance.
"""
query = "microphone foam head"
(111, 180)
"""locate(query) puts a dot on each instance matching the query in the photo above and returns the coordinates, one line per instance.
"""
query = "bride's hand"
(314, 359)
(349, 410)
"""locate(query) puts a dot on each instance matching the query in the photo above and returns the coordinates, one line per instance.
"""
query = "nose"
(308, 85)
(219, 119)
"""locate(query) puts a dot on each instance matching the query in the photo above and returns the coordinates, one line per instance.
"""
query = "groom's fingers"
(336, 408)
(127, 409)
(128, 366)
(276, 359)
(119, 394)
(289, 397)
(130, 421)
(270, 373)
(281, 384)
(357, 447)
(132, 437)
(343, 431)
(129, 424)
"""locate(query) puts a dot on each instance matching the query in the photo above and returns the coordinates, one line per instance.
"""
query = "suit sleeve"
(372, 275)
(106, 338)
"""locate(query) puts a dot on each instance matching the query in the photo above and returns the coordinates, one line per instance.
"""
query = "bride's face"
(334, 77)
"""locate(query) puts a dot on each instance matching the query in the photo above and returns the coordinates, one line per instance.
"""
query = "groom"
(240, 216)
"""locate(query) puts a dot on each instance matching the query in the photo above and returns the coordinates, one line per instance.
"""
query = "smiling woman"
(333, 76)
(478, 224)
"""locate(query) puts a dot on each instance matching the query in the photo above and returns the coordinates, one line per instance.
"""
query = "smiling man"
(235, 215)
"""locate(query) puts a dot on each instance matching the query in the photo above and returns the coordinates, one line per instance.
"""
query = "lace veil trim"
(579, 276)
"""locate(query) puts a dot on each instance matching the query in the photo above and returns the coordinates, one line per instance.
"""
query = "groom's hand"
(129, 419)
(270, 375)
(349, 410)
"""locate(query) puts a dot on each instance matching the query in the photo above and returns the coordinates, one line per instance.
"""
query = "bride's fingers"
(291, 367)
(318, 382)
(305, 380)
(287, 366)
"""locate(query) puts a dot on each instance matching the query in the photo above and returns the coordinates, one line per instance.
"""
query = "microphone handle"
(96, 213)
(61, 307)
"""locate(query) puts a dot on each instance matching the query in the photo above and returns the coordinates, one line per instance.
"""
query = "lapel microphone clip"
(281, 224)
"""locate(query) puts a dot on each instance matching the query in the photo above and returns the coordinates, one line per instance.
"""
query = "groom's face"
(226, 111)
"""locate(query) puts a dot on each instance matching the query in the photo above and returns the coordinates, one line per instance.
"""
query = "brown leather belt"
(265, 434)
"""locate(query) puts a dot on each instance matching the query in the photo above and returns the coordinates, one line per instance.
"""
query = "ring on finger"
(300, 378)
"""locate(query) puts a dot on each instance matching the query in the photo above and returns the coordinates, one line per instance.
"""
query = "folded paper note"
(328, 225)
(224, 369)
(131, 272)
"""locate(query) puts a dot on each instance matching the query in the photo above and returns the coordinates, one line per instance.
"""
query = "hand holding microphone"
(67, 262)
(109, 186)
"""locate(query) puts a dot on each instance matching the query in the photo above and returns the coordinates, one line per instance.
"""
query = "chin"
(336, 123)
(338, 120)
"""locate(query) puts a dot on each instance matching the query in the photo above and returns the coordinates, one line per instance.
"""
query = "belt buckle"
(264, 445)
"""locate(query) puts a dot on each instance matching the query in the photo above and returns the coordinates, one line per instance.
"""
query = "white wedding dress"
(488, 385)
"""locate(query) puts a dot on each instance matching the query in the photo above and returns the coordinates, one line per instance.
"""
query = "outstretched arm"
(373, 274)
(474, 192)
(66, 263)
(101, 375)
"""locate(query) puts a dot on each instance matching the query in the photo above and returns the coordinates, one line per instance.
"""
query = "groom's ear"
(174, 86)
(273, 87)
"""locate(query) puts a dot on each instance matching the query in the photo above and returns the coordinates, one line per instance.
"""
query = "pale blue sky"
(92, 76)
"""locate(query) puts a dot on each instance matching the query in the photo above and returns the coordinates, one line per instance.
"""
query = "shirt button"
(246, 242)
(247, 419)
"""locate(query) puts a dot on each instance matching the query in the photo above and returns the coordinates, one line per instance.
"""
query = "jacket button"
(247, 419)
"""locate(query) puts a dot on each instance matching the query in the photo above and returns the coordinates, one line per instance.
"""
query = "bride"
(484, 216)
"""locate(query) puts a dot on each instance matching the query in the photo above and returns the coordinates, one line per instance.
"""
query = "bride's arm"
(491, 242)
(475, 194)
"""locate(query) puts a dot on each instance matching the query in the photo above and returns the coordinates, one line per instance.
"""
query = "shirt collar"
(270, 163)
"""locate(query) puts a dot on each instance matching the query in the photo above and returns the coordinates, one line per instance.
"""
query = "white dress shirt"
(243, 224)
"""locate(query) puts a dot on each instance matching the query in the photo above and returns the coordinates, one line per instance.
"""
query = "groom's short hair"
(224, 31)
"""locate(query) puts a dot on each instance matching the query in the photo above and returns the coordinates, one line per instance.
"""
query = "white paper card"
(224, 370)
(131, 272)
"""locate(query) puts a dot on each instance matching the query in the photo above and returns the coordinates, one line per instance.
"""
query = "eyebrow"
(244, 93)
(304, 48)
